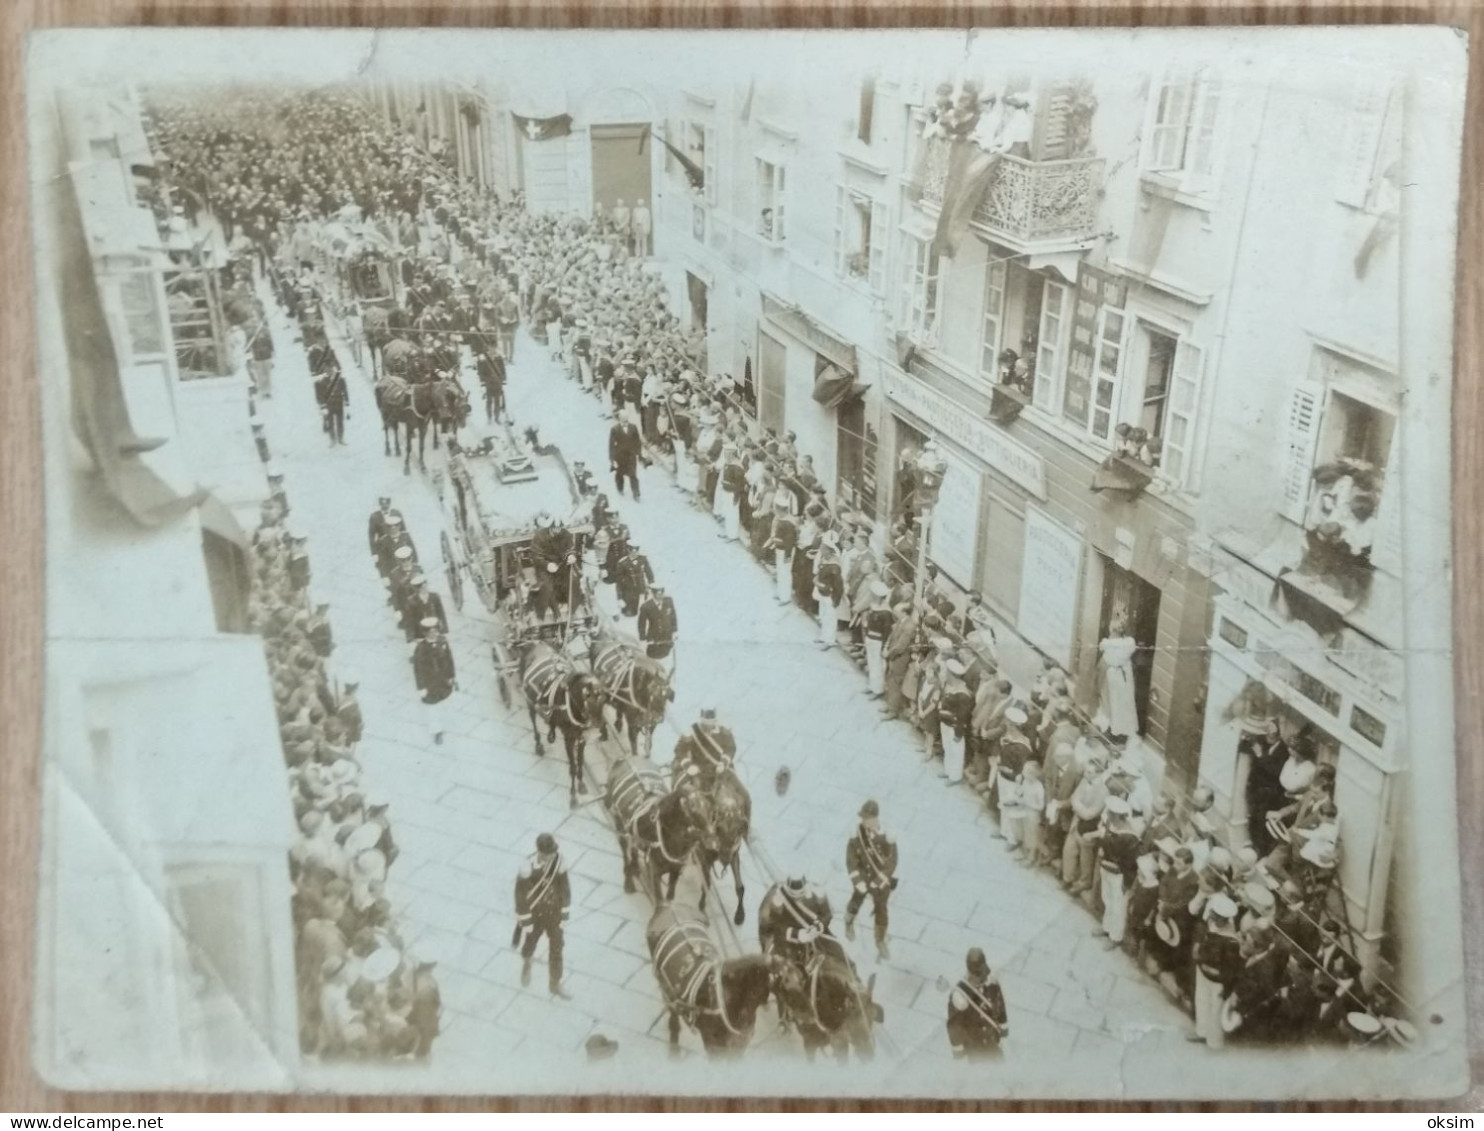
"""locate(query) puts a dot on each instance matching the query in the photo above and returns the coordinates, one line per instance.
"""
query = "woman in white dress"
(1117, 713)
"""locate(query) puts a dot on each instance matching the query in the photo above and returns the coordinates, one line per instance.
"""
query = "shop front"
(1346, 701)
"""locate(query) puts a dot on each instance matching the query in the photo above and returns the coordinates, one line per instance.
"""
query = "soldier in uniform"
(871, 858)
(423, 603)
(400, 586)
(1218, 956)
(380, 524)
(633, 579)
(709, 748)
(657, 623)
(298, 563)
(618, 548)
(543, 900)
(395, 538)
(977, 1020)
(806, 918)
(432, 665)
(491, 371)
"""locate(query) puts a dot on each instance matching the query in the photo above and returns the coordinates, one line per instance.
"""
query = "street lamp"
(927, 479)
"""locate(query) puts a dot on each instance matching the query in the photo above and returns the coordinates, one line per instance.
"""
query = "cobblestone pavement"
(466, 812)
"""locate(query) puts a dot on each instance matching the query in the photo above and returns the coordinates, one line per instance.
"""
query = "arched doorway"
(621, 166)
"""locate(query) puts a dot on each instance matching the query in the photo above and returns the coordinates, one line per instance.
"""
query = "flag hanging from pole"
(693, 172)
(543, 129)
(969, 169)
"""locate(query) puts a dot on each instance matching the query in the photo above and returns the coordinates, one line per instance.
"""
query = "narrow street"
(467, 812)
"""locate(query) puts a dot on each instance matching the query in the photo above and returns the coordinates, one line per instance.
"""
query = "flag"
(543, 129)
(969, 169)
(833, 387)
(693, 172)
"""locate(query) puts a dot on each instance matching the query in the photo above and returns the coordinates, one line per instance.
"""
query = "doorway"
(1129, 599)
(621, 167)
(695, 291)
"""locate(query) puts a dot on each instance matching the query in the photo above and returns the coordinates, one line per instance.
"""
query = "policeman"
(432, 666)
(657, 623)
(710, 748)
(543, 900)
(633, 578)
(871, 859)
(977, 1021)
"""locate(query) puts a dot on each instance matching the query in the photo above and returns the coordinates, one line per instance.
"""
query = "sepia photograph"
(903, 564)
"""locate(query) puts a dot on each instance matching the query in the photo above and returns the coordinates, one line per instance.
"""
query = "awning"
(794, 321)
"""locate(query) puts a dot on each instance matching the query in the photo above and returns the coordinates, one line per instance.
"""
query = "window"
(700, 145)
(1181, 142)
(920, 313)
(771, 201)
(856, 459)
(1049, 343)
(867, 109)
(1158, 371)
(994, 319)
(860, 238)
(1178, 430)
(1106, 371)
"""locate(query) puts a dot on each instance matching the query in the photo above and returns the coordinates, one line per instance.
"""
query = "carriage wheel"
(455, 578)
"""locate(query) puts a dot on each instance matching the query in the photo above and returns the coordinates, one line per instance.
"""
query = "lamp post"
(927, 478)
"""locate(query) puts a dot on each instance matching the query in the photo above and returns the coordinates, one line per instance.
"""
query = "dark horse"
(406, 405)
(658, 829)
(731, 821)
(566, 699)
(717, 998)
(637, 688)
(820, 993)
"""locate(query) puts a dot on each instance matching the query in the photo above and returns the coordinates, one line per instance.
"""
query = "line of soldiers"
(420, 611)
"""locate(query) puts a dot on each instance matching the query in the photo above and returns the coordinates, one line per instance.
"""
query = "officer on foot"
(977, 1021)
(657, 624)
(543, 900)
(871, 858)
(381, 517)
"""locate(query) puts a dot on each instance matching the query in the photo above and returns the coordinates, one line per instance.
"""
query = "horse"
(717, 998)
(566, 699)
(376, 326)
(450, 407)
(637, 688)
(658, 829)
(731, 821)
(819, 990)
(410, 406)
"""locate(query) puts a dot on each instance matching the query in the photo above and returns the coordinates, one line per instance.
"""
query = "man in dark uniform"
(553, 545)
(783, 541)
(423, 603)
(628, 389)
(977, 1020)
(710, 748)
(1266, 752)
(399, 586)
(507, 316)
(657, 623)
(334, 397)
(543, 900)
(633, 579)
(393, 539)
(432, 665)
(491, 370)
(624, 444)
(618, 547)
(806, 917)
(871, 859)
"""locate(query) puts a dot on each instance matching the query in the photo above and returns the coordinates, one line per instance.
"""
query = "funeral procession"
(687, 579)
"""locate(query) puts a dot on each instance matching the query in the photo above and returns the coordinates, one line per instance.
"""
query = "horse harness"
(647, 809)
(679, 939)
(622, 687)
(553, 665)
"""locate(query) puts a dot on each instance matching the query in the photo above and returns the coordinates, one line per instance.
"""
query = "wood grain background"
(21, 576)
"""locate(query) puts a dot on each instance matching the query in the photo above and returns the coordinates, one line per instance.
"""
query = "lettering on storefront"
(1050, 581)
(803, 328)
(1011, 459)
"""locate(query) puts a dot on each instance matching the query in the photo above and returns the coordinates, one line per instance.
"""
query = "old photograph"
(856, 564)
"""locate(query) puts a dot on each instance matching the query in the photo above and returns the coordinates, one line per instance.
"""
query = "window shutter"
(994, 307)
(1180, 415)
(841, 200)
(1048, 344)
(1356, 166)
(1056, 142)
(780, 201)
(878, 246)
(1171, 116)
(710, 165)
(1201, 161)
(1386, 553)
(1107, 371)
(1305, 408)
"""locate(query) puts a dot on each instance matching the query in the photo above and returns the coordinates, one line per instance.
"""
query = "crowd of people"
(1247, 937)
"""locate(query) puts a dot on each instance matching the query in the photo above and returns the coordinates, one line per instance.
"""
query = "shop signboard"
(955, 534)
(1050, 584)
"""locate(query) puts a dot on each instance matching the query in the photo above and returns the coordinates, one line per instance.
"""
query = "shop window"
(920, 298)
(771, 201)
(860, 238)
(1181, 139)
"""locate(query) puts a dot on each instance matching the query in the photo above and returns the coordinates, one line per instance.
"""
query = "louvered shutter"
(1180, 416)
(710, 164)
(1387, 551)
(1171, 119)
(879, 238)
(1201, 162)
(1056, 142)
(1305, 409)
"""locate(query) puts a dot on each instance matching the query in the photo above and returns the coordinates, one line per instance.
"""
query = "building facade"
(165, 946)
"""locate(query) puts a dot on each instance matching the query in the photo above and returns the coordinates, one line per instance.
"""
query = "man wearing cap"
(632, 579)
(657, 624)
(432, 665)
(871, 860)
(1173, 921)
(507, 317)
(1218, 957)
(876, 627)
(709, 747)
(1013, 751)
(393, 538)
(491, 371)
(624, 444)
(805, 917)
(543, 900)
(334, 396)
(829, 587)
(977, 1019)
(400, 586)
(421, 604)
(955, 716)
(783, 540)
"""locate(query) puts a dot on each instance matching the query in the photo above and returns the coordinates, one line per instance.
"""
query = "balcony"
(1029, 206)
